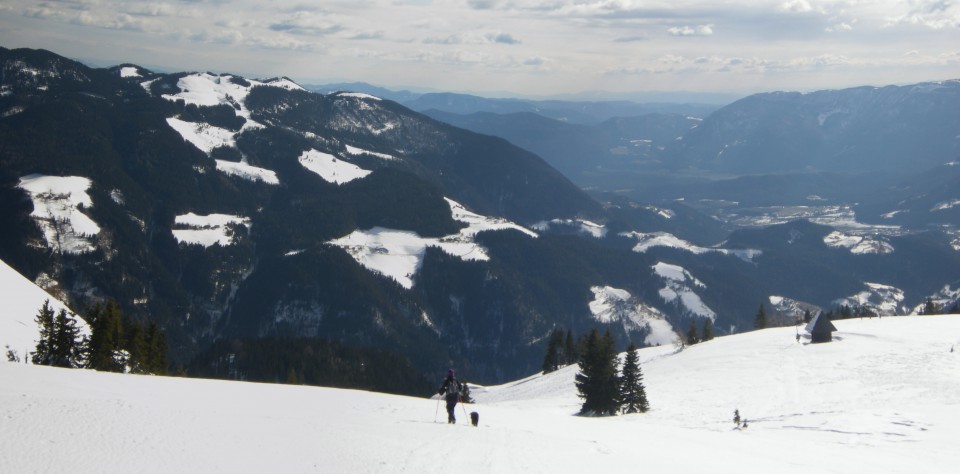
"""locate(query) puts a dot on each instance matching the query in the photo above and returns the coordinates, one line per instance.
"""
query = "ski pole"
(435, 412)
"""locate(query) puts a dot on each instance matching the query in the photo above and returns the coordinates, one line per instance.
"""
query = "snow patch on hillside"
(204, 136)
(945, 298)
(608, 303)
(204, 89)
(678, 289)
(331, 168)
(791, 308)
(583, 226)
(946, 205)
(613, 305)
(646, 241)
(858, 244)
(356, 95)
(664, 213)
(58, 203)
(882, 299)
(352, 150)
(207, 230)
(130, 71)
(398, 254)
(147, 85)
(247, 172)
(840, 217)
(477, 223)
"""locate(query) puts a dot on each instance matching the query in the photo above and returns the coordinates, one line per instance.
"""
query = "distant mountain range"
(568, 111)
(247, 216)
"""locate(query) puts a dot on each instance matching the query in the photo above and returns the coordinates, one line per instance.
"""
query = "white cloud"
(796, 6)
(700, 30)
(471, 45)
(842, 26)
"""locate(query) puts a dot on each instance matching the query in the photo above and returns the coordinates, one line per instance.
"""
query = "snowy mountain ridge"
(226, 209)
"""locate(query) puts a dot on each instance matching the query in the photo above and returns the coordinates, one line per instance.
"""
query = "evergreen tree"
(12, 355)
(137, 346)
(707, 329)
(807, 317)
(633, 396)
(930, 308)
(105, 342)
(59, 343)
(43, 354)
(292, 377)
(465, 396)
(692, 337)
(760, 322)
(551, 361)
(570, 354)
(65, 350)
(597, 381)
(156, 350)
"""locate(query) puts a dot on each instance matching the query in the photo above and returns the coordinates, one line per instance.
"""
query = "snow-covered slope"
(21, 301)
(881, 398)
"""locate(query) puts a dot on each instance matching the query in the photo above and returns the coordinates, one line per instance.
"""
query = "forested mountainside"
(256, 221)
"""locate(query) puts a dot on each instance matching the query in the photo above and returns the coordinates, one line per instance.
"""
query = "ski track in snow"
(881, 398)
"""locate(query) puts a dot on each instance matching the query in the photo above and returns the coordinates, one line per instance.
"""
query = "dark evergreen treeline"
(561, 350)
(488, 317)
(706, 334)
(930, 307)
(310, 361)
(116, 343)
(59, 344)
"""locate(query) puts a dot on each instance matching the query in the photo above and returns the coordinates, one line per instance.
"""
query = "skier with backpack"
(450, 390)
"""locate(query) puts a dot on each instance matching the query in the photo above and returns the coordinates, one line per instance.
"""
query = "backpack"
(453, 388)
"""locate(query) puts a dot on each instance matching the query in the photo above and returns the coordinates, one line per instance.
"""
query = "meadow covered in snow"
(883, 397)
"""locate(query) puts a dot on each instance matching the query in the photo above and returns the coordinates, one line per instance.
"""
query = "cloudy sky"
(526, 47)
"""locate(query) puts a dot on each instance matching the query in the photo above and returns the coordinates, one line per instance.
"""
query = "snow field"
(882, 398)
(646, 241)
(360, 151)
(398, 254)
(57, 201)
(677, 288)
(614, 305)
(207, 230)
(248, 172)
(331, 168)
(209, 90)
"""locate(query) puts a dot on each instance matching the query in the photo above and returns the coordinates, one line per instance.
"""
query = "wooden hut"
(821, 329)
